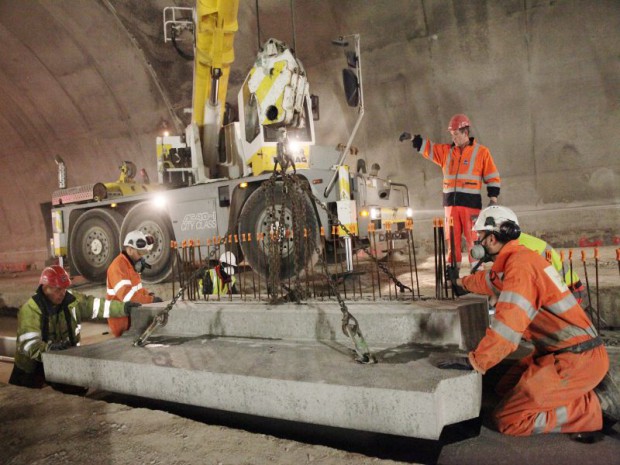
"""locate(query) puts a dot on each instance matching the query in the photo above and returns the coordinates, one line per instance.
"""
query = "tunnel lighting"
(166, 133)
(160, 201)
(113, 205)
(409, 212)
(243, 185)
(364, 213)
(294, 146)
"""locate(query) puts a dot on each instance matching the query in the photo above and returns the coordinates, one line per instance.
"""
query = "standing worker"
(466, 165)
(51, 320)
(124, 282)
(563, 385)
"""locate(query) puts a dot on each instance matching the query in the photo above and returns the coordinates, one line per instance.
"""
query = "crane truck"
(209, 178)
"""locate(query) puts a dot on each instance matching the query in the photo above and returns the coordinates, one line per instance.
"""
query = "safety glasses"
(142, 244)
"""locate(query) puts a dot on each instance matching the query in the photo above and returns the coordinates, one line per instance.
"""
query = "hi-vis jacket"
(464, 171)
(534, 304)
(124, 282)
(211, 281)
(570, 277)
(39, 323)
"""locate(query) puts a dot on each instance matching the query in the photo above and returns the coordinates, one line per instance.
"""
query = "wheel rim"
(96, 246)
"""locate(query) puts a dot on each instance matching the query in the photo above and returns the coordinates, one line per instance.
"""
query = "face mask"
(141, 265)
(480, 252)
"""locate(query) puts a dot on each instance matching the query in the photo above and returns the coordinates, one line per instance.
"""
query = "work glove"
(452, 274)
(404, 136)
(417, 142)
(129, 306)
(455, 363)
(60, 345)
(157, 299)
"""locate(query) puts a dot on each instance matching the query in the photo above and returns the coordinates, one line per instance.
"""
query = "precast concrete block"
(304, 381)
(461, 322)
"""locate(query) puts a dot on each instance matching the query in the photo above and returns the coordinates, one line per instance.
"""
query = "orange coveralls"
(464, 172)
(545, 392)
(124, 284)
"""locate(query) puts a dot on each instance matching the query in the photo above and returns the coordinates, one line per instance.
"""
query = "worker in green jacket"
(51, 320)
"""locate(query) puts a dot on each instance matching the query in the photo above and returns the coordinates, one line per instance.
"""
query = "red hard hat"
(458, 122)
(55, 276)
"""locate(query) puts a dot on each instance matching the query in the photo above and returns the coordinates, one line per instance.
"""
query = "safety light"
(364, 213)
(113, 205)
(160, 201)
(409, 213)
(243, 185)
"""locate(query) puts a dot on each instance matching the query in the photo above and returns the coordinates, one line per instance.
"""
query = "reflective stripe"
(561, 306)
(73, 314)
(561, 414)
(495, 174)
(519, 301)
(28, 344)
(472, 160)
(506, 332)
(121, 283)
(26, 336)
(540, 423)
(106, 308)
(96, 305)
(78, 330)
(487, 277)
(464, 190)
(563, 335)
(493, 184)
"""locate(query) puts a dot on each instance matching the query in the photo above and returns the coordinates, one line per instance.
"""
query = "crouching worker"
(563, 385)
(123, 278)
(220, 280)
(51, 320)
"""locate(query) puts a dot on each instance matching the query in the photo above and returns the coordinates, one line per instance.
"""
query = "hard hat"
(458, 122)
(55, 276)
(228, 261)
(139, 241)
(491, 218)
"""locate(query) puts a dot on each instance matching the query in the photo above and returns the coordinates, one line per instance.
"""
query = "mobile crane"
(209, 178)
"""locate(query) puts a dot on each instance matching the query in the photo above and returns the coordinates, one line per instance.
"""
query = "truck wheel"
(94, 243)
(149, 219)
(256, 217)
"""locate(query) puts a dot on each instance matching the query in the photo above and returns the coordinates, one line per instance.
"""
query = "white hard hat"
(491, 218)
(228, 261)
(139, 241)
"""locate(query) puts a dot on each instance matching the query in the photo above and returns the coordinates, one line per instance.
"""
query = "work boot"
(609, 396)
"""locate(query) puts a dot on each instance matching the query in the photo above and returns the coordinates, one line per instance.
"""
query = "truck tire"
(256, 218)
(94, 243)
(149, 219)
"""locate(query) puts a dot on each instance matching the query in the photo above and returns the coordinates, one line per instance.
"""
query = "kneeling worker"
(124, 282)
(51, 320)
(562, 386)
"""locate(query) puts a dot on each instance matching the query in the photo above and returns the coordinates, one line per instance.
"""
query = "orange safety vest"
(534, 304)
(124, 282)
(464, 172)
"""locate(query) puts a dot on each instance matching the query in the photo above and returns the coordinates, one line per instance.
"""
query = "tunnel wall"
(540, 81)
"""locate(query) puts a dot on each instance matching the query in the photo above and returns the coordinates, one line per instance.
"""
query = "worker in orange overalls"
(466, 165)
(562, 385)
(123, 278)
